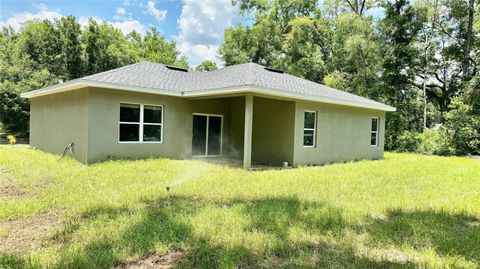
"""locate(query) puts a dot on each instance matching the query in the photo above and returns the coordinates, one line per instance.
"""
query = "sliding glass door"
(207, 135)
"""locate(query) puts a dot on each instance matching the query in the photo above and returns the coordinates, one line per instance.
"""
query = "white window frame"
(206, 140)
(376, 132)
(141, 125)
(310, 129)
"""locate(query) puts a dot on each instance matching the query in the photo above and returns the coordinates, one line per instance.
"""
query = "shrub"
(11, 139)
(436, 141)
(465, 126)
(409, 142)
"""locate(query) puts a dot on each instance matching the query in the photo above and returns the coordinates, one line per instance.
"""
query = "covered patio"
(255, 131)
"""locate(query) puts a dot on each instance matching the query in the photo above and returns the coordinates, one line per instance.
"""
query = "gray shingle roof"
(158, 77)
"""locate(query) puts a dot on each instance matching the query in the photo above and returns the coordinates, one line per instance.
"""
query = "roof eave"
(82, 83)
(61, 87)
(284, 94)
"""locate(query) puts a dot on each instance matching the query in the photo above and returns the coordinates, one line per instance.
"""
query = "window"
(374, 132)
(140, 123)
(129, 122)
(152, 123)
(309, 125)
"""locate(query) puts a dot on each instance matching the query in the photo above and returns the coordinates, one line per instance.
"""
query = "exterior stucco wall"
(104, 109)
(236, 128)
(58, 120)
(273, 131)
(104, 115)
(342, 134)
(89, 117)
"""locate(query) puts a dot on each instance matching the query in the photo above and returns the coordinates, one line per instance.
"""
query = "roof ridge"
(252, 73)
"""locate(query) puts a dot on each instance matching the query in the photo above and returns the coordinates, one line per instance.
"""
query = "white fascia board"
(62, 87)
(284, 94)
(81, 83)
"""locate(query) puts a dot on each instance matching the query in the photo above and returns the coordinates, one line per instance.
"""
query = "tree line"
(421, 58)
(418, 56)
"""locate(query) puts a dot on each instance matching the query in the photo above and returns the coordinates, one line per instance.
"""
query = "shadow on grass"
(168, 222)
(8, 261)
(449, 234)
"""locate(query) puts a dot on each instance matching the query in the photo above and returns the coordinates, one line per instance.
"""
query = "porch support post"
(247, 138)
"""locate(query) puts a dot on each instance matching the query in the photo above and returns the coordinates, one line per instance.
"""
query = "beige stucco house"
(246, 112)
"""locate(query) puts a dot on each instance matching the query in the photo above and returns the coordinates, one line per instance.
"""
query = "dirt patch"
(8, 190)
(5, 170)
(389, 254)
(156, 261)
(29, 233)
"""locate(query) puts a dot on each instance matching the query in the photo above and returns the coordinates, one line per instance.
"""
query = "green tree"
(260, 43)
(206, 66)
(155, 48)
(287, 35)
(356, 53)
(304, 56)
(40, 41)
(106, 48)
(337, 80)
(358, 7)
(90, 39)
(399, 29)
(71, 52)
(20, 73)
(450, 51)
(465, 125)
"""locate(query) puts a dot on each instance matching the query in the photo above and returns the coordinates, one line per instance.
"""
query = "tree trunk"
(424, 86)
(425, 97)
(357, 6)
(468, 41)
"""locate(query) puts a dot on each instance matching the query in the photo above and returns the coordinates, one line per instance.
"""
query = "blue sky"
(108, 10)
(196, 25)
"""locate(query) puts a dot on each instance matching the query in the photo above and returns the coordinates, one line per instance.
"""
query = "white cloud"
(40, 6)
(120, 11)
(126, 2)
(157, 13)
(129, 25)
(198, 53)
(125, 26)
(18, 20)
(202, 24)
(121, 14)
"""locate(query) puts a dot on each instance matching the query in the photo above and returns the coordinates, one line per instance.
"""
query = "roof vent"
(176, 68)
(274, 70)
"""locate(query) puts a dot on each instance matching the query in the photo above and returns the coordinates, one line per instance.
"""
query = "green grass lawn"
(404, 211)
